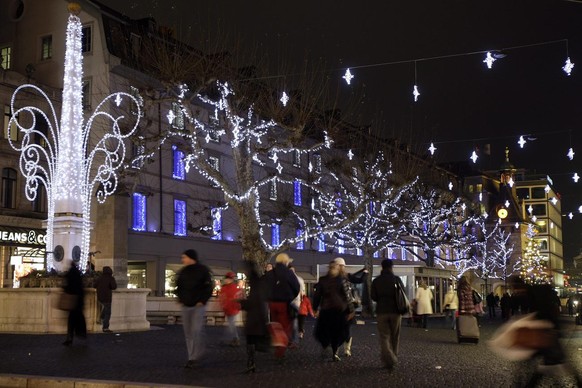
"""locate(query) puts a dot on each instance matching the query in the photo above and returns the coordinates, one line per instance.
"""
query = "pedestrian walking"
(505, 303)
(490, 299)
(465, 295)
(389, 320)
(451, 305)
(467, 323)
(229, 297)
(194, 288)
(105, 286)
(283, 288)
(294, 310)
(424, 299)
(76, 325)
(333, 310)
(305, 309)
(355, 278)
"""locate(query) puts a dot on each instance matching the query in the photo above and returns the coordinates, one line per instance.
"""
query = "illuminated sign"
(15, 236)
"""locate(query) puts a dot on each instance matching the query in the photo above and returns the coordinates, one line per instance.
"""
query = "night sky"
(463, 105)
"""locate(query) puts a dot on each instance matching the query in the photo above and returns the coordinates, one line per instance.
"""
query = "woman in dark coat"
(331, 298)
(105, 286)
(76, 323)
(255, 306)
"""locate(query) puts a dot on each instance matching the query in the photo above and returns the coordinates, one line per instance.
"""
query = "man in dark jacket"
(283, 287)
(384, 294)
(105, 286)
(194, 288)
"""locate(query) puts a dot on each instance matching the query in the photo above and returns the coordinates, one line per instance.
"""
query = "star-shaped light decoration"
(350, 155)
(568, 66)
(485, 215)
(521, 142)
(450, 185)
(580, 209)
(570, 154)
(310, 167)
(489, 60)
(554, 200)
(275, 157)
(576, 177)
(432, 149)
(507, 203)
(171, 116)
(551, 225)
(284, 99)
(415, 93)
(480, 197)
(534, 218)
(474, 157)
(517, 225)
(118, 99)
(570, 215)
(279, 168)
(530, 209)
(348, 76)
(510, 182)
(547, 189)
(463, 206)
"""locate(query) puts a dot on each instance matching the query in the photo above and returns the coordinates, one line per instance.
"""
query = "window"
(177, 116)
(340, 246)
(273, 189)
(139, 212)
(213, 128)
(12, 131)
(538, 192)
(179, 217)
(8, 188)
(134, 109)
(320, 244)
(297, 193)
(86, 39)
(301, 242)
(135, 43)
(539, 210)
(179, 170)
(216, 215)
(297, 158)
(522, 193)
(5, 57)
(46, 47)
(275, 230)
(317, 163)
(86, 96)
(338, 203)
(138, 151)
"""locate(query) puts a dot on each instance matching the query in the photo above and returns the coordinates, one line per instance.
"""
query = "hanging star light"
(507, 203)
(554, 200)
(547, 189)
(285, 99)
(580, 209)
(530, 209)
(480, 197)
(510, 182)
(570, 215)
(568, 66)
(171, 116)
(348, 76)
(450, 185)
(570, 154)
(517, 225)
(534, 218)
(474, 157)
(350, 155)
(576, 177)
(521, 142)
(415, 93)
(432, 149)
(489, 59)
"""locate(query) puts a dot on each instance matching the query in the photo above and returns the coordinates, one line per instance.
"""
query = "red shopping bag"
(278, 335)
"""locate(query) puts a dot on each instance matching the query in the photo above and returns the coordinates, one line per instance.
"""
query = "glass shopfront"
(22, 250)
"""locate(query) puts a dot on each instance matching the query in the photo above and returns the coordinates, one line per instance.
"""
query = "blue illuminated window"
(139, 212)
(300, 243)
(179, 217)
(376, 254)
(320, 244)
(340, 246)
(216, 214)
(297, 193)
(275, 228)
(179, 171)
(338, 204)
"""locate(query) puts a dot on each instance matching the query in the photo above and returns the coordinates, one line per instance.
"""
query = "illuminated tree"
(533, 270)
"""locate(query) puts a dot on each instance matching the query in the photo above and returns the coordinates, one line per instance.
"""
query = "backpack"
(477, 297)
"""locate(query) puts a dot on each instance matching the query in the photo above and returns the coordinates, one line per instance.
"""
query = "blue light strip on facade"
(297, 201)
(179, 217)
(139, 212)
(216, 215)
(179, 170)
(275, 234)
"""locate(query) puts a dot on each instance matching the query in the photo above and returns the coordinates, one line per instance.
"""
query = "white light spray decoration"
(69, 171)
(284, 99)
(568, 66)
(489, 59)
(348, 76)
(576, 177)
(521, 141)
(474, 157)
(415, 93)
(570, 153)
(432, 149)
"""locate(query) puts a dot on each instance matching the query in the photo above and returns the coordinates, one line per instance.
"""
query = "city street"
(427, 358)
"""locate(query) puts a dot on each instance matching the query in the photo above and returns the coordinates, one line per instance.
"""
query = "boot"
(348, 347)
(251, 368)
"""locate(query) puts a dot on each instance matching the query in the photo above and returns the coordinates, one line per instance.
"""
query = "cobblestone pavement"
(427, 359)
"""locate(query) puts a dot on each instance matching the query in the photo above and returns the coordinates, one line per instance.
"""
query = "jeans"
(105, 314)
(451, 313)
(193, 324)
(389, 335)
(232, 331)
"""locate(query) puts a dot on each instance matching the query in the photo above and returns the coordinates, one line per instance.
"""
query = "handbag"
(67, 302)
(356, 299)
(402, 304)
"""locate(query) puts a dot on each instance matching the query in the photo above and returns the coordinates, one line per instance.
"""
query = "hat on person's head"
(339, 261)
(191, 253)
(283, 258)
(230, 275)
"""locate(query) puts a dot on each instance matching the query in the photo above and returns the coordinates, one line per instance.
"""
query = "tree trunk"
(253, 249)
(429, 253)
(367, 305)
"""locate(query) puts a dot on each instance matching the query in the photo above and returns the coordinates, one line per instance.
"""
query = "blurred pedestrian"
(505, 306)
(451, 305)
(105, 286)
(283, 288)
(490, 299)
(424, 299)
(294, 311)
(76, 325)
(305, 309)
(333, 310)
(229, 297)
(194, 288)
(465, 295)
(388, 318)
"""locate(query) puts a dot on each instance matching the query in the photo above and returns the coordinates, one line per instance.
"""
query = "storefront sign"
(15, 236)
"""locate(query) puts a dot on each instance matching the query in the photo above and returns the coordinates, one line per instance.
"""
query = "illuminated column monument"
(62, 162)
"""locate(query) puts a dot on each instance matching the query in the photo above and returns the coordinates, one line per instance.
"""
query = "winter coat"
(74, 286)
(452, 300)
(229, 297)
(465, 295)
(105, 285)
(305, 307)
(332, 293)
(384, 292)
(194, 285)
(423, 299)
(255, 306)
(283, 284)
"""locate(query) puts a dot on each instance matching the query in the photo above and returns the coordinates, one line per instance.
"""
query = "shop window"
(275, 234)
(139, 212)
(86, 42)
(8, 188)
(138, 153)
(297, 200)
(179, 217)
(5, 57)
(46, 47)
(338, 204)
(216, 215)
(179, 170)
(136, 275)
